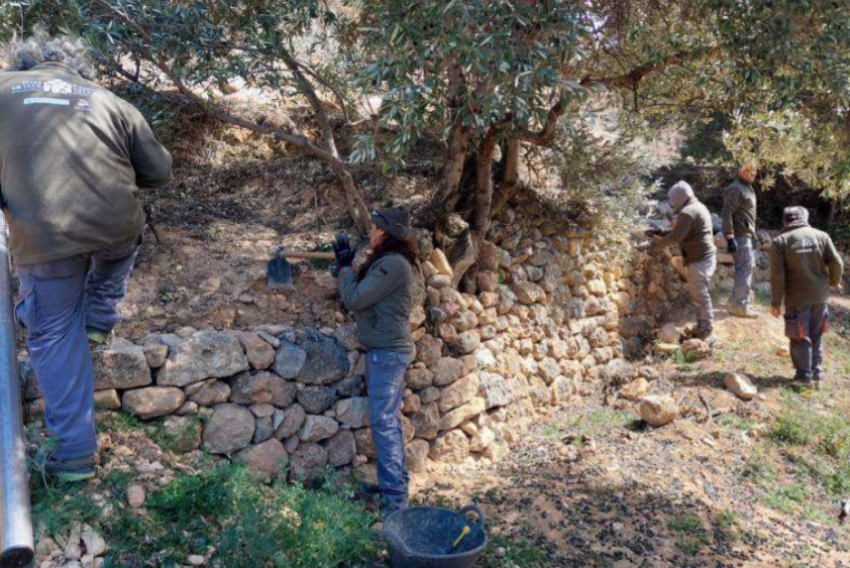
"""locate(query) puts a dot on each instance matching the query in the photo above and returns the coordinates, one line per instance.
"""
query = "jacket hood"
(680, 195)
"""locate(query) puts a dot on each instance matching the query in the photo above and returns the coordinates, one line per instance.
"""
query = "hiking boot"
(64, 471)
(98, 337)
(741, 312)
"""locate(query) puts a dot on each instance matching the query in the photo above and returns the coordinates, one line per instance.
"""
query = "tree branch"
(545, 135)
(328, 154)
(631, 78)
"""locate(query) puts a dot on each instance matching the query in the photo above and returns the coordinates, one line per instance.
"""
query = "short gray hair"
(40, 47)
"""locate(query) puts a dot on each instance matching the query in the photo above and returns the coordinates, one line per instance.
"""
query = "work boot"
(741, 311)
(64, 471)
(705, 332)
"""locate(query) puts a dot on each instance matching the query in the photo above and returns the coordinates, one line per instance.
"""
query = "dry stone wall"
(541, 319)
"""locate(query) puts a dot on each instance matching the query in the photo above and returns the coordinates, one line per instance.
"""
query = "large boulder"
(293, 418)
(326, 361)
(740, 386)
(230, 429)
(460, 415)
(306, 460)
(341, 448)
(418, 377)
(266, 460)
(429, 349)
(151, 402)
(446, 371)
(262, 387)
(635, 390)
(426, 422)
(459, 393)
(120, 365)
(529, 292)
(317, 428)
(353, 412)
(451, 448)
(211, 393)
(416, 456)
(316, 400)
(659, 411)
(260, 353)
(495, 389)
(289, 360)
(205, 355)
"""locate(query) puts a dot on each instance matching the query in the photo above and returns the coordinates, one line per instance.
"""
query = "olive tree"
(197, 46)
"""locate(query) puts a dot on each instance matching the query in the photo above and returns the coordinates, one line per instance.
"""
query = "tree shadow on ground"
(715, 380)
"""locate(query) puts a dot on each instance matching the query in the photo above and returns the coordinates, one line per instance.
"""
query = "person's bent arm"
(731, 202)
(834, 263)
(678, 234)
(384, 277)
(150, 159)
(777, 276)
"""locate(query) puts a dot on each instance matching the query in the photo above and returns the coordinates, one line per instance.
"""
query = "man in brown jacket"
(72, 156)
(692, 231)
(803, 266)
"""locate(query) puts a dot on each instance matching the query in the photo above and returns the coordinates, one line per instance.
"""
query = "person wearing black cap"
(380, 293)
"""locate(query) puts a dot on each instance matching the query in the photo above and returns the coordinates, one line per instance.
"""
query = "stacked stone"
(538, 319)
(724, 279)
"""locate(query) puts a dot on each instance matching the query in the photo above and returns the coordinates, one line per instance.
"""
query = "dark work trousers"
(385, 383)
(745, 261)
(59, 300)
(805, 326)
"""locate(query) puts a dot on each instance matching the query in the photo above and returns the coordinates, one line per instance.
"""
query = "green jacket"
(803, 265)
(382, 303)
(72, 155)
(692, 232)
(739, 210)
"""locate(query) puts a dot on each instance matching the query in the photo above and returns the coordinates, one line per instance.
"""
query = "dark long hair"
(391, 245)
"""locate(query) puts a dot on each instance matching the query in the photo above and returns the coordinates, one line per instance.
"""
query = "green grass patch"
(56, 508)
(690, 532)
(726, 524)
(119, 422)
(250, 524)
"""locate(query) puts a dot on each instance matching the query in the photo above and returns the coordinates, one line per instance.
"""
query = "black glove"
(731, 246)
(343, 252)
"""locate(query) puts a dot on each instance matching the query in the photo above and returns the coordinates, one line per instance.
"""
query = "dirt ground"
(592, 487)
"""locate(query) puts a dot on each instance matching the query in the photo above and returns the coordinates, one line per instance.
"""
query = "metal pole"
(16, 540)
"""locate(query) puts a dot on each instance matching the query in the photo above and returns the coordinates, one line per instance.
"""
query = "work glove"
(343, 253)
(731, 246)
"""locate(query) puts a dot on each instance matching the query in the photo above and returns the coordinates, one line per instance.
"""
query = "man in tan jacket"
(72, 156)
(692, 231)
(804, 264)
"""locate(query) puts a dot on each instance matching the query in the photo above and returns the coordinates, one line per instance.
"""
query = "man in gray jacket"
(739, 228)
(72, 156)
(692, 232)
(803, 265)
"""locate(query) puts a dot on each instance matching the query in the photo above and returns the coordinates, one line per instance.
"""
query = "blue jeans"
(745, 260)
(59, 299)
(385, 383)
(805, 326)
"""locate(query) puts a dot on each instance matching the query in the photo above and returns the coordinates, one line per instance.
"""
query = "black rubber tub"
(424, 537)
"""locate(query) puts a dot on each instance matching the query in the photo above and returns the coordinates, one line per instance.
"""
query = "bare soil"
(592, 486)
